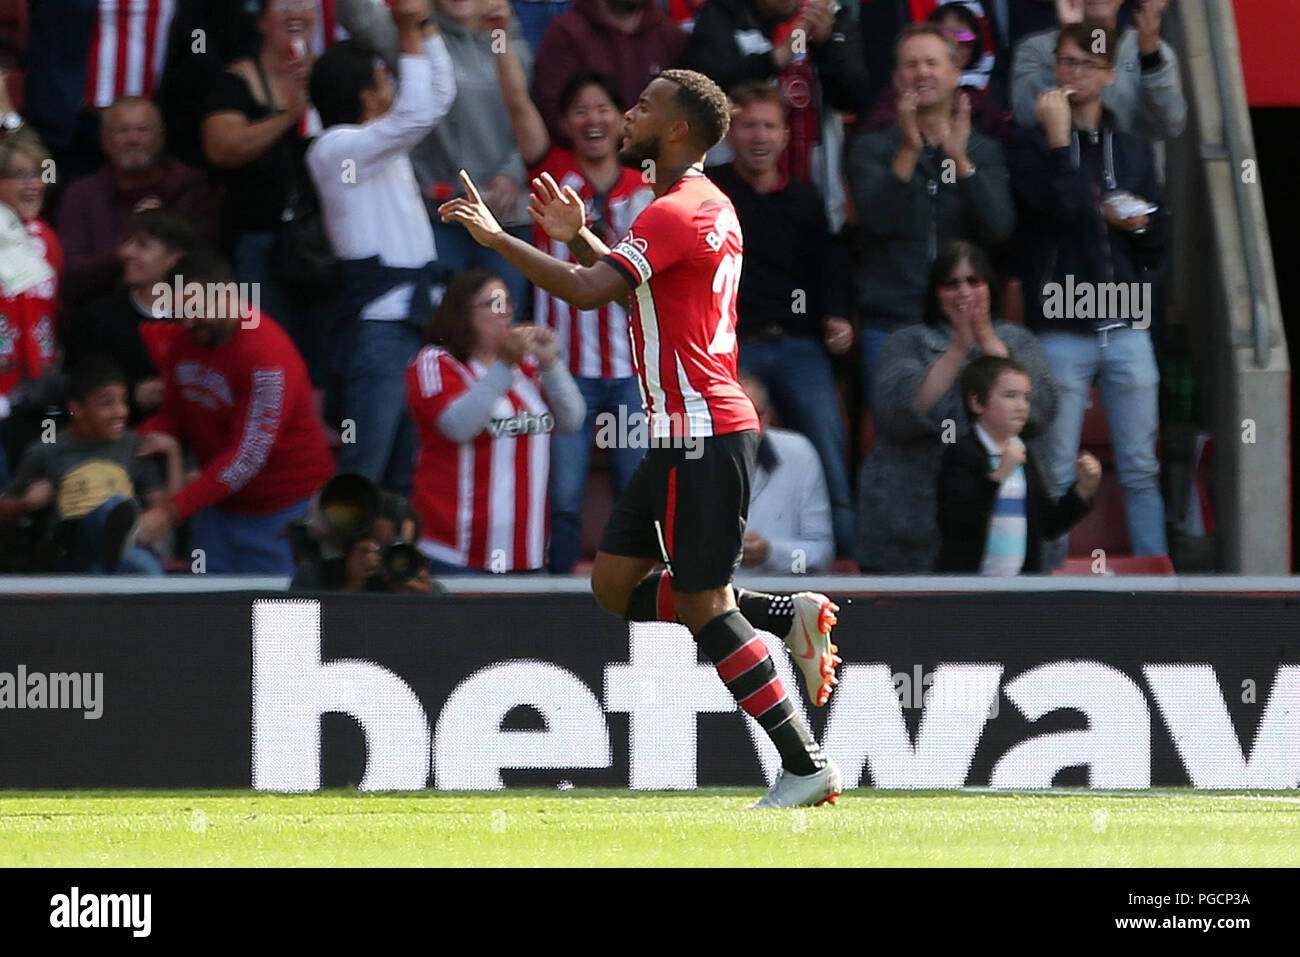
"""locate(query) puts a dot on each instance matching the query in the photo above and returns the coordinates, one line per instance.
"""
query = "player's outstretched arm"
(587, 287)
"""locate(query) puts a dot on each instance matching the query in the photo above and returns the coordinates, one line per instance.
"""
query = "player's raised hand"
(472, 213)
(561, 213)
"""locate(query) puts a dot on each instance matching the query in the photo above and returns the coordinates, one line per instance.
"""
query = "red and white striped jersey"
(682, 257)
(594, 342)
(483, 502)
(127, 49)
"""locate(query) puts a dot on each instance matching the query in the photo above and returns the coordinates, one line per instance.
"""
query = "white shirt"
(369, 197)
(791, 508)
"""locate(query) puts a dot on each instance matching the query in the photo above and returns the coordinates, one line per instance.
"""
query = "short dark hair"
(338, 78)
(914, 30)
(960, 250)
(703, 104)
(92, 373)
(756, 91)
(168, 227)
(981, 375)
(1084, 34)
(202, 265)
(585, 78)
(450, 326)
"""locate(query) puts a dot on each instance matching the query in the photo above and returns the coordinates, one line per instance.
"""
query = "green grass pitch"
(623, 828)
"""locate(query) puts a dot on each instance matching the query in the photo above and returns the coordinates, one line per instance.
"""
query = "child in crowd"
(92, 472)
(994, 511)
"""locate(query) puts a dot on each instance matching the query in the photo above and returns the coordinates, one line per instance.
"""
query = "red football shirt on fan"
(483, 502)
(594, 342)
(28, 340)
(128, 49)
(683, 256)
(247, 410)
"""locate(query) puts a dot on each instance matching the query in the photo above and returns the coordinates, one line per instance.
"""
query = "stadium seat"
(1105, 526)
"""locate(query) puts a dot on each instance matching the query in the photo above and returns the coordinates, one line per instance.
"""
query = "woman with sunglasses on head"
(485, 395)
(919, 408)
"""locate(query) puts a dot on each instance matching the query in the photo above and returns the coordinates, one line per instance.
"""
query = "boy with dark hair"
(93, 472)
(994, 511)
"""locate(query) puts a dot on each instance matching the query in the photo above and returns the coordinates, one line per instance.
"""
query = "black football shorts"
(687, 507)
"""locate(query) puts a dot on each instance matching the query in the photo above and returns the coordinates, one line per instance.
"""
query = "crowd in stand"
(892, 166)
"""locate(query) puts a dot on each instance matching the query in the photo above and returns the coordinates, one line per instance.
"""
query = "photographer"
(369, 551)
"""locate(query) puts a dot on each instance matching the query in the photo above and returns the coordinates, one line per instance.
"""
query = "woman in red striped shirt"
(485, 395)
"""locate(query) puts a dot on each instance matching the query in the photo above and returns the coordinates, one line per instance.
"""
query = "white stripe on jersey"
(137, 19)
(589, 359)
(162, 39)
(501, 494)
(699, 419)
(465, 502)
(429, 373)
(106, 77)
(652, 390)
(539, 466)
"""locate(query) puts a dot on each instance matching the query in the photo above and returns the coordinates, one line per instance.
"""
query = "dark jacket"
(1061, 224)
(788, 248)
(904, 225)
(965, 498)
(715, 49)
(582, 38)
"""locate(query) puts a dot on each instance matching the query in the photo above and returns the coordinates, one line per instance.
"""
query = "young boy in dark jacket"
(994, 510)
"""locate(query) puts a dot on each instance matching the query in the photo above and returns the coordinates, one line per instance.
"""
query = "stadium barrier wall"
(1005, 690)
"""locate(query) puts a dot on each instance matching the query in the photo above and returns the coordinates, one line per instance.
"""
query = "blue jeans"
(300, 319)
(571, 455)
(382, 446)
(245, 544)
(457, 252)
(797, 373)
(88, 551)
(1123, 365)
(536, 16)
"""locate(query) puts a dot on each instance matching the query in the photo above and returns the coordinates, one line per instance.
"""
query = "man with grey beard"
(137, 176)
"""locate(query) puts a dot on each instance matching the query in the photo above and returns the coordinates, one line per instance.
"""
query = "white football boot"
(809, 643)
(802, 790)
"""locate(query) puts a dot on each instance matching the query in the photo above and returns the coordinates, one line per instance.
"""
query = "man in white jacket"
(789, 528)
(377, 224)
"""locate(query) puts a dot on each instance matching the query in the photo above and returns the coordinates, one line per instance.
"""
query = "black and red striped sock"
(652, 599)
(774, 613)
(749, 673)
